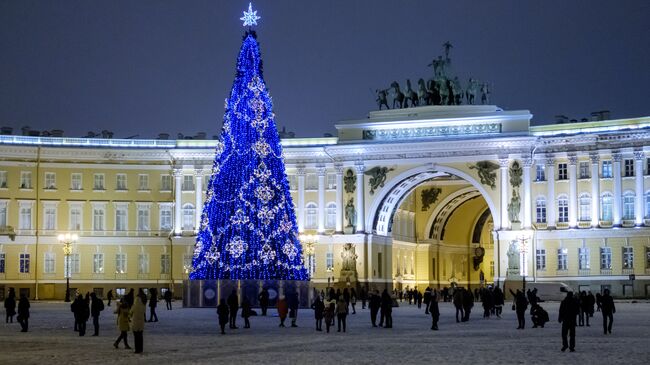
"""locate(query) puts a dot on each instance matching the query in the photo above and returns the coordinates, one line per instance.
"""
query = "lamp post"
(309, 240)
(523, 259)
(67, 240)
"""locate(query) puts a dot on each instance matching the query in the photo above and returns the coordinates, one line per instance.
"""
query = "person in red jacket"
(283, 310)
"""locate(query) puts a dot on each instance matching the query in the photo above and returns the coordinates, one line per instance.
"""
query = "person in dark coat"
(468, 303)
(81, 313)
(329, 315)
(387, 309)
(363, 295)
(233, 307)
(498, 301)
(434, 310)
(264, 300)
(569, 309)
(246, 312)
(584, 309)
(129, 298)
(607, 309)
(109, 296)
(96, 306)
(521, 304)
(426, 299)
(153, 303)
(487, 300)
(23, 313)
(599, 299)
(458, 303)
(591, 301)
(538, 315)
(293, 302)
(224, 314)
(374, 304)
(346, 298)
(319, 308)
(10, 306)
(168, 299)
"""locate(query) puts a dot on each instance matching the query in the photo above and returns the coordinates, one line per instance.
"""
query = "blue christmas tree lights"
(248, 227)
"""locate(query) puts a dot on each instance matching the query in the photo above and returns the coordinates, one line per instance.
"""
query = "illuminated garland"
(248, 227)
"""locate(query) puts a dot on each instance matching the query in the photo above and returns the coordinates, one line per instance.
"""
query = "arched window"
(606, 203)
(628, 205)
(330, 215)
(562, 209)
(540, 209)
(585, 207)
(311, 212)
(188, 217)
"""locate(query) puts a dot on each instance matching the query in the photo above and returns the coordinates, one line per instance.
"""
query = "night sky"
(150, 66)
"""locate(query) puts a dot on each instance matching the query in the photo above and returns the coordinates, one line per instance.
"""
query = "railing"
(605, 224)
(143, 276)
(165, 276)
(627, 271)
(628, 223)
(584, 272)
(562, 225)
(584, 224)
(541, 225)
(131, 233)
(120, 276)
(25, 276)
(605, 271)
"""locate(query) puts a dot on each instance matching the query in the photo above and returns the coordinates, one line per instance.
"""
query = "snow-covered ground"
(190, 336)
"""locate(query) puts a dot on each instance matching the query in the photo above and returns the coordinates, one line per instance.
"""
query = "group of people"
(575, 309)
(23, 309)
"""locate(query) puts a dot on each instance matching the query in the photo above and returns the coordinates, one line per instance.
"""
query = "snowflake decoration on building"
(250, 17)
(290, 250)
(236, 247)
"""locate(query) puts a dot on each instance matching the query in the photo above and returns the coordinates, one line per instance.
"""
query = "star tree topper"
(250, 17)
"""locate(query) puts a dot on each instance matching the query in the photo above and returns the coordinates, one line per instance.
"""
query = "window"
(25, 180)
(121, 217)
(49, 218)
(628, 205)
(98, 263)
(628, 167)
(329, 260)
(76, 181)
(143, 263)
(562, 254)
(188, 217)
(607, 169)
(293, 182)
(647, 204)
(120, 184)
(188, 183)
(311, 182)
(24, 263)
(25, 217)
(75, 218)
(540, 259)
(49, 264)
(2, 263)
(539, 173)
(143, 217)
(331, 181)
(606, 207)
(647, 258)
(585, 207)
(311, 212)
(647, 166)
(165, 182)
(74, 265)
(540, 209)
(583, 258)
(330, 215)
(187, 262)
(165, 217)
(50, 180)
(120, 263)
(584, 170)
(562, 173)
(99, 215)
(143, 182)
(563, 209)
(98, 182)
(628, 257)
(3, 214)
(3, 179)
(605, 258)
(165, 264)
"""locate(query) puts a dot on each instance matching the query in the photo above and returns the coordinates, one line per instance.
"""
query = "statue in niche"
(351, 214)
(377, 177)
(349, 257)
(382, 98)
(486, 172)
(513, 256)
(349, 181)
(429, 196)
(515, 174)
(514, 207)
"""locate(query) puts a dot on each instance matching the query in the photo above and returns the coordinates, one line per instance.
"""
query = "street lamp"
(67, 240)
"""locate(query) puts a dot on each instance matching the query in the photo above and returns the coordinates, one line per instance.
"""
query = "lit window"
(607, 169)
(540, 209)
(605, 258)
(188, 217)
(583, 258)
(628, 257)
(563, 209)
(330, 221)
(606, 207)
(585, 207)
(76, 181)
(98, 263)
(49, 263)
(562, 254)
(540, 259)
(311, 212)
(628, 205)
(539, 176)
(50, 180)
(120, 263)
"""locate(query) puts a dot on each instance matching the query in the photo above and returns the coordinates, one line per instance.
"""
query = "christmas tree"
(248, 227)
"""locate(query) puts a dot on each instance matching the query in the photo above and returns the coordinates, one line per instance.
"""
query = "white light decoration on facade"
(250, 17)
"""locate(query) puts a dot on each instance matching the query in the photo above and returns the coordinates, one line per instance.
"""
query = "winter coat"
(245, 309)
(328, 314)
(223, 312)
(137, 315)
(319, 307)
(569, 309)
(341, 306)
(96, 306)
(433, 308)
(123, 316)
(386, 302)
(607, 304)
(10, 305)
(233, 302)
(23, 308)
(283, 308)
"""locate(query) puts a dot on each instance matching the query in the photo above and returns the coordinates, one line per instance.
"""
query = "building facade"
(428, 196)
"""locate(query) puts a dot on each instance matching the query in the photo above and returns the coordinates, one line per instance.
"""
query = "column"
(322, 174)
(550, 191)
(573, 191)
(527, 163)
(178, 201)
(503, 176)
(595, 190)
(639, 157)
(198, 174)
(339, 198)
(301, 199)
(361, 216)
(616, 170)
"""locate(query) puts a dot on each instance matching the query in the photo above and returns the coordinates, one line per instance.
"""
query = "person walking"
(374, 304)
(246, 312)
(233, 307)
(498, 301)
(123, 318)
(10, 306)
(23, 313)
(458, 303)
(341, 313)
(153, 303)
(521, 303)
(109, 296)
(224, 315)
(426, 299)
(363, 294)
(264, 300)
(608, 309)
(387, 309)
(434, 311)
(319, 308)
(293, 302)
(283, 309)
(79, 308)
(569, 309)
(353, 300)
(138, 314)
(468, 303)
(346, 297)
(96, 306)
(168, 299)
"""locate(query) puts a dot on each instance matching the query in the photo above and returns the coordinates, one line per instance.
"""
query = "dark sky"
(149, 66)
